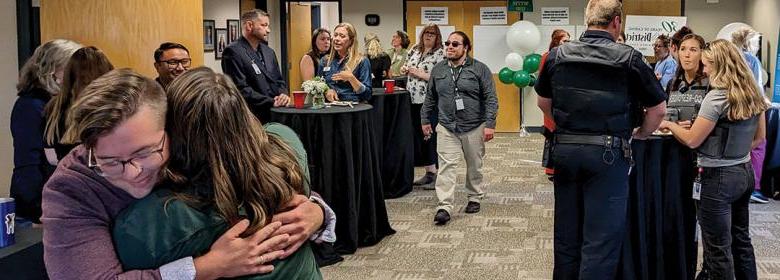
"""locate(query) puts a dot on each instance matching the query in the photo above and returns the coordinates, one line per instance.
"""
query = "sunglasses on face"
(454, 44)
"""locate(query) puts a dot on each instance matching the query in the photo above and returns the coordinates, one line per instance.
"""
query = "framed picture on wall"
(221, 39)
(208, 35)
(234, 30)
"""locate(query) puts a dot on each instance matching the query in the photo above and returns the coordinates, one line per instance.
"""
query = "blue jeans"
(591, 197)
(724, 218)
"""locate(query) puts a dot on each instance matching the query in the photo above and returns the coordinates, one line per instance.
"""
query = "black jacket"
(258, 90)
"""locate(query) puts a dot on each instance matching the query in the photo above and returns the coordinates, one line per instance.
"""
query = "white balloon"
(523, 37)
(514, 61)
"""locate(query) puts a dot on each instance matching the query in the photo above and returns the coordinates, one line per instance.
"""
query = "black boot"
(427, 179)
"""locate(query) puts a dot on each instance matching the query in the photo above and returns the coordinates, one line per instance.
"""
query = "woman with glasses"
(346, 71)
(120, 122)
(729, 123)
(320, 46)
(217, 177)
(423, 56)
(85, 65)
(39, 80)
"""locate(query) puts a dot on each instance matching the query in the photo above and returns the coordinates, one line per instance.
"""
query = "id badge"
(459, 104)
(696, 190)
(326, 69)
(257, 69)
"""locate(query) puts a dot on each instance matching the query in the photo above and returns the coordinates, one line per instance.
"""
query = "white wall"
(219, 11)
(764, 16)
(707, 19)
(329, 15)
(8, 77)
(391, 18)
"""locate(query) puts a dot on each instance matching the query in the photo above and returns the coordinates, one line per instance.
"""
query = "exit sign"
(520, 5)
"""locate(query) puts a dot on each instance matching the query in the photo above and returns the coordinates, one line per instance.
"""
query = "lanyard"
(456, 78)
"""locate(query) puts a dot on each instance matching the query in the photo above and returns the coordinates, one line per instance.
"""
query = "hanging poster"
(492, 15)
(555, 16)
(435, 15)
(641, 31)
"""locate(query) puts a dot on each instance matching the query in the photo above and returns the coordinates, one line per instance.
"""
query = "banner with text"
(776, 92)
(641, 31)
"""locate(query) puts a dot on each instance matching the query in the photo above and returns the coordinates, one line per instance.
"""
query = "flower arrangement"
(316, 87)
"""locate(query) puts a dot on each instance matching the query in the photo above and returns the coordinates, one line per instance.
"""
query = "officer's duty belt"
(599, 140)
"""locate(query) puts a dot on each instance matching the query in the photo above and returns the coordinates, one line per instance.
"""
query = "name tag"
(326, 69)
(696, 190)
(459, 104)
(257, 69)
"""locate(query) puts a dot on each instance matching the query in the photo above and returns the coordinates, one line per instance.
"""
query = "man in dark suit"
(253, 66)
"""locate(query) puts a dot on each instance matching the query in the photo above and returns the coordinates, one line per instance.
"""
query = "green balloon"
(521, 78)
(531, 63)
(533, 81)
(506, 75)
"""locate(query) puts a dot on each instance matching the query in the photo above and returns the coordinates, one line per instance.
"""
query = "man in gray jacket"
(461, 89)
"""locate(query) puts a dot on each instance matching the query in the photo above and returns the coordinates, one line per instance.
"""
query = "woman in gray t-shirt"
(729, 123)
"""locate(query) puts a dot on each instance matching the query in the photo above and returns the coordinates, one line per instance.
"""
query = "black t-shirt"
(379, 65)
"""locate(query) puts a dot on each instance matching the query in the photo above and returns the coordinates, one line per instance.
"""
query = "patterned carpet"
(511, 238)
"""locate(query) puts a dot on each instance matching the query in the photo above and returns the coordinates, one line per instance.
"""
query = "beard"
(456, 57)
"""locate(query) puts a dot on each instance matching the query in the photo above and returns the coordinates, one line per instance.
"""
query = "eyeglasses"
(115, 168)
(454, 44)
(430, 33)
(173, 63)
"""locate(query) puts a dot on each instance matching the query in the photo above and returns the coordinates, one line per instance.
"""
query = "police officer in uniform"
(595, 90)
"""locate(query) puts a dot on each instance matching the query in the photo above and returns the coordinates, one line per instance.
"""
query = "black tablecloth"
(770, 179)
(661, 224)
(344, 169)
(393, 122)
(24, 259)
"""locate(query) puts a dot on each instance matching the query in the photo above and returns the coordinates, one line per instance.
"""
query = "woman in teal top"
(224, 167)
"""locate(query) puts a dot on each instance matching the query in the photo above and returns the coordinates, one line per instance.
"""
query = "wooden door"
(298, 40)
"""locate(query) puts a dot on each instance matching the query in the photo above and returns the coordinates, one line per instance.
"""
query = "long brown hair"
(314, 52)
(353, 52)
(84, 66)
(730, 71)
(221, 154)
(555, 39)
(437, 44)
(680, 74)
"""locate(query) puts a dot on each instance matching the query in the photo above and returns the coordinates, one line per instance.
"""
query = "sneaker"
(472, 207)
(426, 179)
(758, 197)
(441, 218)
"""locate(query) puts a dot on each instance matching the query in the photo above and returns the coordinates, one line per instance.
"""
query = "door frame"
(283, 31)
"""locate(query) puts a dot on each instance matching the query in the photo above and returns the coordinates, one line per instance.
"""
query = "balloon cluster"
(523, 38)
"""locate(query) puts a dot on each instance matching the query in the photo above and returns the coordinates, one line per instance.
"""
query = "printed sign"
(435, 15)
(641, 31)
(776, 92)
(520, 5)
(492, 15)
(555, 16)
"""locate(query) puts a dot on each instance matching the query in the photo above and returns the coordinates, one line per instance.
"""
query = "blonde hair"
(38, 71)
(84, 66)
(221, 154)
(110, 100)
(742, 37)
(729, 71)
(601, 12)
(373, 47)
(353, 53)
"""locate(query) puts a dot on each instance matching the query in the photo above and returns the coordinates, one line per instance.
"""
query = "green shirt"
(157, 229)
(397, 59)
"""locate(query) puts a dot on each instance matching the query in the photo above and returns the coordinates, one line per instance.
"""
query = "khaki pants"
(451, 147)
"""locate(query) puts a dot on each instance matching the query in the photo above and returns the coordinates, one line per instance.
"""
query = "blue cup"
(7, 217)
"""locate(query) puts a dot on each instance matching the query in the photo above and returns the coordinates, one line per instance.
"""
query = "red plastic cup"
(389, 86)
(298, 98)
